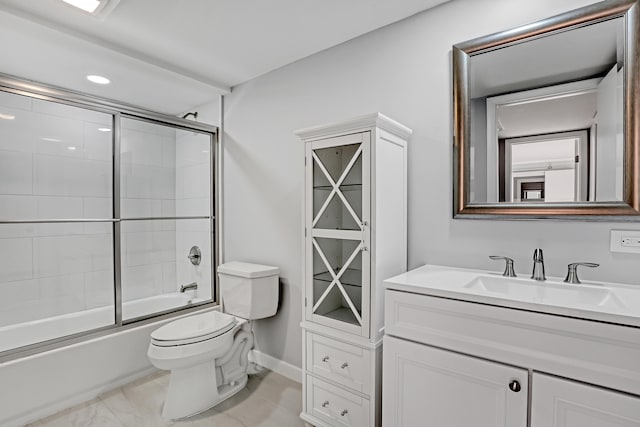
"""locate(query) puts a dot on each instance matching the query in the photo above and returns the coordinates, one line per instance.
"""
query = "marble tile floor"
(269, 400)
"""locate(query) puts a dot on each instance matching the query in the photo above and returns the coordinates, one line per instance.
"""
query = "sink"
(546, 292)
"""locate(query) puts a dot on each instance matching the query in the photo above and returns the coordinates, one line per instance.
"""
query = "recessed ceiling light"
(86, 5)
(101, 80)
(104, 129)
(7, 116)
(97, 8)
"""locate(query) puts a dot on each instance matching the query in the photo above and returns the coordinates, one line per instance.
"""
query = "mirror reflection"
(546, 118)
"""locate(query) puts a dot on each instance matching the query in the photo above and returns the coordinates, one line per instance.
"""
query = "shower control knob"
(514, 386)
(195, 255)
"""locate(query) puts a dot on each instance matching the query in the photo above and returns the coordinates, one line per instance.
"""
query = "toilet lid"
(194, 328)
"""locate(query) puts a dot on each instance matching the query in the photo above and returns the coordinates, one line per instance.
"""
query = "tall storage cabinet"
(355, 236)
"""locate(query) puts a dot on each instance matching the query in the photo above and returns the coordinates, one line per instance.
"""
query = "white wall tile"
(59, 207)
(17, 207)
(149, 248)
(58, 136)
(192, 149)
(141, 282)
(61, 295)
(193, 181)
(98, 144)
(17, 134)
(98, 289)
(142, 148)
(16, 259)
(169, 277)
(15, 173)
(193, 207)
(58, 176)
(60, 255)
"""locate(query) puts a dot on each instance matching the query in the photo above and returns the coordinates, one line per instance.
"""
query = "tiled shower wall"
(55, 163)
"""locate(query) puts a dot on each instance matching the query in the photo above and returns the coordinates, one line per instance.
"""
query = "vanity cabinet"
(456, 363)
(355, 235)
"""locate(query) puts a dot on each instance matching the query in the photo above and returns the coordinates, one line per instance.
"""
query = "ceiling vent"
(98, 8)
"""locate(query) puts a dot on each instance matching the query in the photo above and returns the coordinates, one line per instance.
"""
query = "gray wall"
(403, 71)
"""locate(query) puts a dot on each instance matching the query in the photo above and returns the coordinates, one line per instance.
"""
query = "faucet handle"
(572, 271)
(508, 268)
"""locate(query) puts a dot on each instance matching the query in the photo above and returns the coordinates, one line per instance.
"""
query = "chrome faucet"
(192, 285)
(508, 267)
(538, 266)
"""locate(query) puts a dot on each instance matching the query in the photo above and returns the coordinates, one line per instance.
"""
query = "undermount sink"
(609, 302)
(546, 292)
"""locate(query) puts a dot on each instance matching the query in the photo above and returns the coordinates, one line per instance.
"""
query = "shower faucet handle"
(194, 255)
(508, 268)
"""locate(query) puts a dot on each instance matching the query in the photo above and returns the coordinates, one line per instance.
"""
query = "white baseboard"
(77, 399)
(276, 365)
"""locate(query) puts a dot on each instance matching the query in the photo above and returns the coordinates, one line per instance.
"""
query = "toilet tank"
(249, 291)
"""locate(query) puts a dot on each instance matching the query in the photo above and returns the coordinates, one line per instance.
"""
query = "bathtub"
(21, 334)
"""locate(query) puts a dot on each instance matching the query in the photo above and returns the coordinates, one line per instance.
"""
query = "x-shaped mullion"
(336, 186)
(336, 279)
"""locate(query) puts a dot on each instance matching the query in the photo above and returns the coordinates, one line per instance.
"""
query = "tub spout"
(192, 285)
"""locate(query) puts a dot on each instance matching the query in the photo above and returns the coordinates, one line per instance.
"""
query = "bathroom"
(402, 70)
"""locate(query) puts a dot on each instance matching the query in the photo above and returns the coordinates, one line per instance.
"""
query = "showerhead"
(194, 114)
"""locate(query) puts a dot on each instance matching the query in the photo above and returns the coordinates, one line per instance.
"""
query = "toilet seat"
(193, 329)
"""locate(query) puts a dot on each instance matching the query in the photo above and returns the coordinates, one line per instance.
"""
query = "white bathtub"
(35, 331)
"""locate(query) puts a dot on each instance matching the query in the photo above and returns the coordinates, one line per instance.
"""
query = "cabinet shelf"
(342, 314)
(343, 187)
(351, 277)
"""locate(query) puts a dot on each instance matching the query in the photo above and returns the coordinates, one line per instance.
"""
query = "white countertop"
(606, 302)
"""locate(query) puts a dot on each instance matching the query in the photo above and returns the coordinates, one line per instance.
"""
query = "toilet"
(207, 353)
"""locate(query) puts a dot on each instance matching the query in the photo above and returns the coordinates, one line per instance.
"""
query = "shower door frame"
(118, 111)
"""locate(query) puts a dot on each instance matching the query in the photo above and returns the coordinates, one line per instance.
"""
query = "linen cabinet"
(355, 236)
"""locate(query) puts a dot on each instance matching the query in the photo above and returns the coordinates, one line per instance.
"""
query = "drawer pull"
(325, 358)
(514, 386)
(344, 412)
(344, 365)
(325, 403)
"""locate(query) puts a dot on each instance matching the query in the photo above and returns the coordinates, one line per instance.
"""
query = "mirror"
(546, 118)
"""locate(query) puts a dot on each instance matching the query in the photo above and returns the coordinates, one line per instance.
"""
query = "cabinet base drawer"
(335, 406)
(340, 362)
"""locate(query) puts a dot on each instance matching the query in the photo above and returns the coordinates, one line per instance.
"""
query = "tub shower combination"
(107, 216)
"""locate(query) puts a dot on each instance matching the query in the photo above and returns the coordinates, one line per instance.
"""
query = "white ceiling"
(169, 55)
(561, 57)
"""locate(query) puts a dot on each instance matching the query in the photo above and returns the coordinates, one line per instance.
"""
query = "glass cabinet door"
(337, 247)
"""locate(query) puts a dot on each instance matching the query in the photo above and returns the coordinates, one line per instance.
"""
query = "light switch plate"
(627, 241)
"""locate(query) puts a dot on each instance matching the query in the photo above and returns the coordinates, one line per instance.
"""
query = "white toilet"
(207, 353)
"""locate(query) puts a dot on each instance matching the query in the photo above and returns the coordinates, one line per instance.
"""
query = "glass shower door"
(166, 218)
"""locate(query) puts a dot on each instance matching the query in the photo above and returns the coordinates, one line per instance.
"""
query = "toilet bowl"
(207, 353)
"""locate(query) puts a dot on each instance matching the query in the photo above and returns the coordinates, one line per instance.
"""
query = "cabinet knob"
(344, 412)
(344, 365)
(325, 403)
(325, 358)
(514, 386)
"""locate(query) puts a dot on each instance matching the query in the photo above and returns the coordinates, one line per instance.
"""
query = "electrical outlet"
(627, 241)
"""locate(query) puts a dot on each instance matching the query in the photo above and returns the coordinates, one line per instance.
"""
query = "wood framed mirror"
(547, 118)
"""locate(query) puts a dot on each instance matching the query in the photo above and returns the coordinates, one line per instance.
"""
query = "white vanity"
(471, 348)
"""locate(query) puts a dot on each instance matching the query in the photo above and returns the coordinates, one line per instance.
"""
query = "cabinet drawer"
(336, 406)
(343, 363)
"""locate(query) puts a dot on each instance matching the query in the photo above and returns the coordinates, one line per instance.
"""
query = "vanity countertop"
(598, 301)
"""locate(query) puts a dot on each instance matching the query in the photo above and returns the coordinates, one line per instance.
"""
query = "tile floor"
(269, 400)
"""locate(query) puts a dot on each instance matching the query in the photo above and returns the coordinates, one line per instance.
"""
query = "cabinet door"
(424, 386)
(562, 403)
(337, 232)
